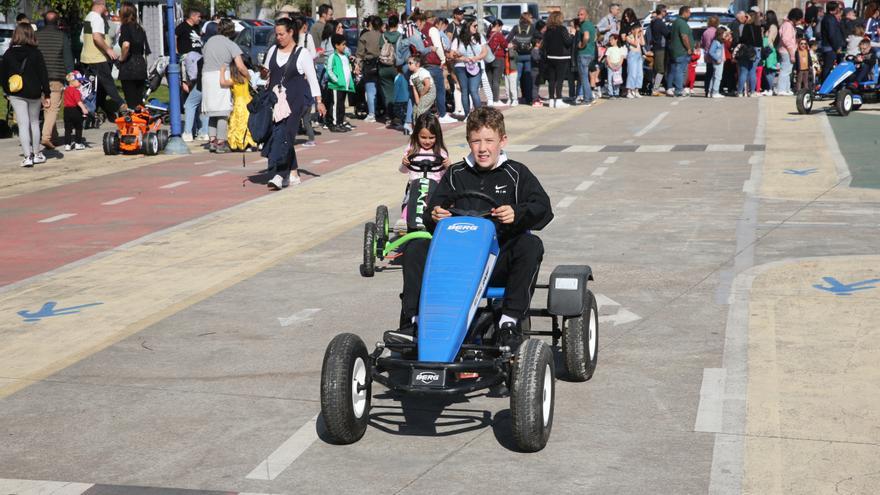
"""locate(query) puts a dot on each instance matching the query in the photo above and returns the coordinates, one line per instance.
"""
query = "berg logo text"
(427, 377)
(462, 227)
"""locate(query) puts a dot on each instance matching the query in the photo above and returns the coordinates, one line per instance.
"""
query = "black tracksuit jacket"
(511, 183)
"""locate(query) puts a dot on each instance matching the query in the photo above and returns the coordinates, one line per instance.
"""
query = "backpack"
(402, 50)
(388, 53)
(259, 122)
(523, 42)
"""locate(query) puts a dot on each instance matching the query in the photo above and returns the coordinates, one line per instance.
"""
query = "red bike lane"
(48, 229)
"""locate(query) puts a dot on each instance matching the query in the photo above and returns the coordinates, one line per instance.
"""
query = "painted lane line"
(358, 134)
(299, 316)
(566, 202)
(674, 103)
(320, 160)
(711, 408)
(284, 455)
(610, 160)
(583, 186)
(725, 147)
(57, 218)
(35, 487)
(655, 148)
(174, 184)
(651, 124)
(519, 147)
(600, 171)
(579, 148)
(622, 317)
(114, 202)
(332, 141)
(204, 162)
(215, 173)
(259, 160)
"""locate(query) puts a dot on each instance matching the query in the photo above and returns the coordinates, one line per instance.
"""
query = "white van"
(508, 12)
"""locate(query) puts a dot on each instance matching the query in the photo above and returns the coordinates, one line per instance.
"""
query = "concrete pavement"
(727, 381)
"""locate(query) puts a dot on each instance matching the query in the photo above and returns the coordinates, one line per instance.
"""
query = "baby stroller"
(155, 74)
(89, 90)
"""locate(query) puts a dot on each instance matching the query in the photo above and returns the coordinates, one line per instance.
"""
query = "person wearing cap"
(454, 27)
(97, 54)
(55, 47)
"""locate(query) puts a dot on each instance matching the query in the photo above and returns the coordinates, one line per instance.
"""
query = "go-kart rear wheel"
(346, 379)
(163, 138)
(110, 143)
(368, 267)
(532, 395)
(804, 101)
(151, 144)
(844, 102)
(580, 342)
(383, 225)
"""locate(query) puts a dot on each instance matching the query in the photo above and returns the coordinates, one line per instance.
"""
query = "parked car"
(242, 24)
(508, 12)
(255, 40)
(5, 37)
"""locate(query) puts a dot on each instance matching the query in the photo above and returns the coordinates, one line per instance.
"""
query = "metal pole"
(480, 14)
(175, 146)
(212, 9)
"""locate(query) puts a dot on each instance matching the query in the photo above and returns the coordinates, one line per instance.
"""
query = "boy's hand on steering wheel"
(504, 214)
(439, 213)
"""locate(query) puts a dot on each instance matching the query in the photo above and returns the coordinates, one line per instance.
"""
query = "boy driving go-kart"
(518, 205)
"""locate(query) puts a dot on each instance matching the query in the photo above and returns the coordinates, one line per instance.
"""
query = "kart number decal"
(462, 227)
(566, 284)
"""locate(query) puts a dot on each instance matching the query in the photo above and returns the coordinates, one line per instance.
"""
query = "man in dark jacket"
(659, 39)
(833, 40)
(524, 207)
(54, 44)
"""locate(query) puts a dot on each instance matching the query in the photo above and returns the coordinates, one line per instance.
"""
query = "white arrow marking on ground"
(623, 316)
(174, 184)
(299, 316)
(603, 300)
(114, 202)
(57, 218)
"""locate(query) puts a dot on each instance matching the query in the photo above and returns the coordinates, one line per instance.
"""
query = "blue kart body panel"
(838, 75)
(460, 261)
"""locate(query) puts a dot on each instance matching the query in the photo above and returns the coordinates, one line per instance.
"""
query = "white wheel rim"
(591, 337)
(808, 100)
(547, 398)
(155, 142)
(847, 102)
(358, 387)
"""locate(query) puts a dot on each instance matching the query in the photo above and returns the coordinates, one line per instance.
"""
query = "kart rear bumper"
(400, 372)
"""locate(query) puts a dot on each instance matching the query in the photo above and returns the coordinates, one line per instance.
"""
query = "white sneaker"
(400, 226)
(292, 180)
(670, 92)
(638, 95)
(630, 95)
(370, 118)
(767, 92)
(276, 183)
(27, 162)
(717, 95)
(187, 137)
(561, 104)
(203, 137)
(67, 147)
(39, 158)
(686, 92)
(786, 93)
(446, 119)
(514, 103)
(79, 146)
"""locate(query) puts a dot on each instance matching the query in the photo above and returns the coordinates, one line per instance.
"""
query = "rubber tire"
(337, 408)
(111, 143)
(368, 267)
(532, 362)
(843, 96)
(151, 144)
(163, 138)
(804, 104)
(383, 228)
(580, 360)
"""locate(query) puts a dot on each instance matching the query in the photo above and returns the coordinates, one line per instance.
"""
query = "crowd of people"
(406, 66)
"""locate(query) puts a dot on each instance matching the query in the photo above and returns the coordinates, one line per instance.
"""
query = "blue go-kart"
(380, 241)
(847, 95)
(458, 348)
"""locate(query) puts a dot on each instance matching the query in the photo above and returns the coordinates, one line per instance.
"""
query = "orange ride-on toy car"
(139, 131)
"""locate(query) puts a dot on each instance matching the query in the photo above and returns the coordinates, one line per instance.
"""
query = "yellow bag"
(15, 83)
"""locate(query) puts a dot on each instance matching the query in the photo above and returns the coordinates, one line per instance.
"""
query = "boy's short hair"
(337, 39)
(489, 117)
(865, 42)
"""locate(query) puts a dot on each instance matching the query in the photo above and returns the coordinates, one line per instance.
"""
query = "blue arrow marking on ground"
(802, 172)
(48, 310)
(840, 289)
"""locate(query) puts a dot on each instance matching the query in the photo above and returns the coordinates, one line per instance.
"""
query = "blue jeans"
(470, 88)
(634, 71)
(437, 78)
(524, 68)
(747, 74)
(715, 83)
(613, 89)
(678, 68)
(783, 85)
(191, 109)
(370, 89)
(584, 62)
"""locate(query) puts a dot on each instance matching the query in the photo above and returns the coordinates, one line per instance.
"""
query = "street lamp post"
(175, 146)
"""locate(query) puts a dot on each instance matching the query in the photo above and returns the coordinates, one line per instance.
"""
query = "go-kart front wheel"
(163, 138)
(580, 341)
(151, 144)
(368, 267)
(110, 143)
(844, 102)
(346, 378)
(804, 101)
(532, 395)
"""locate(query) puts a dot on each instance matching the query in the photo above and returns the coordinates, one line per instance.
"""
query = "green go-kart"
(382, 242)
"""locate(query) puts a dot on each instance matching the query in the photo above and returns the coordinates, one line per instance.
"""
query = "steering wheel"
(460, 212)
(426, 163)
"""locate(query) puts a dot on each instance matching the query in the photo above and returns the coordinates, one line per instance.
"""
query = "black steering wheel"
(425, 163)
(460, 212)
